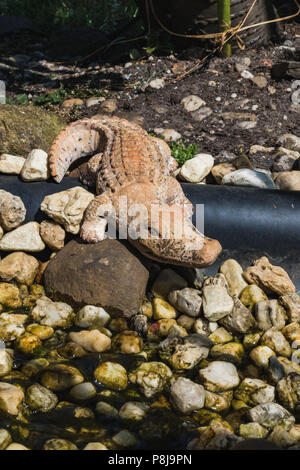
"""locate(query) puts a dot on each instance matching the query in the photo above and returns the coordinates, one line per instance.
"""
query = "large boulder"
(105, 274)
(23, 128)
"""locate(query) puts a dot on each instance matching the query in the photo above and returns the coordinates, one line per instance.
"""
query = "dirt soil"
(265, 110)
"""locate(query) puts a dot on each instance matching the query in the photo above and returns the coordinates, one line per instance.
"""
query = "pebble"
(275, 340)
(169, 135)
(105, 409)
(41, 399)
(222, 169)
(219, 376)
(187, 301)
(94, 101)
(60, 377)
(217, 303)
(246, 74)
(253, 431)
(247, 125)
(288, 181)
(269, 313)
(254, 392)
(125, 438)
(108, 106)
(11, 164)
(289, 141)
(291, 303)
(197, 168)
(91, 316)
(267, 276)
(151, 377)
(67, 207)
(95, 446)
(52, 234)
(251, 295)
(233, 271)
(11, 398)
(16, 446)
(247, 177)
(19, 267)
(261, 355)
(12, 211)
(285, 160)
(10, 295)
(24, 238)
(83, 392)
(242, 64)
(5, 439)
(157, 83)
(35, 167)
(112, 375)
(162, 309)
(271, 415)
(127, 342)
(192, 103)
(186, 395)
(55, 314)
(202, 113)
(59, 444)
(70, 103)
(260, 81)
(167, 281)
(6, 363)
(133, 411)
(92, 341)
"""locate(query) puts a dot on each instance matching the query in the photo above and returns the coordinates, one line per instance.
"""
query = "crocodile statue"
(126, 162)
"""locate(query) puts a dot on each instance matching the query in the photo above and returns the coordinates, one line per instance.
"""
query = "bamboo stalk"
(224, 16)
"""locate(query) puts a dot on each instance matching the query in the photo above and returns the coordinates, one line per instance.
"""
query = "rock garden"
(107, 346)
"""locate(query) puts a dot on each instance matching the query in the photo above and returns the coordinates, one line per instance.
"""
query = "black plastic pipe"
(248, 222)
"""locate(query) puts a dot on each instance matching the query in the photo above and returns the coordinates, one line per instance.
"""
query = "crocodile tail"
(75, 141)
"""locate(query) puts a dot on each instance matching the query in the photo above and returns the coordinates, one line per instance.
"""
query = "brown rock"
(70, 103)
(288, 181)
(267, 276)
(218, 171)
(52, 234)
(104, 274)
(108, 106)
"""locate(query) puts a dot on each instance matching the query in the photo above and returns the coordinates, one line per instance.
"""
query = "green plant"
(103, 15)
(182, 152)
(224, 16)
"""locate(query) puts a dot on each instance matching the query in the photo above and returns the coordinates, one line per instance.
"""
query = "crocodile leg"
(96, 218)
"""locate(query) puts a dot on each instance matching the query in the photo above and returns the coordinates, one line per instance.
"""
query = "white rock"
(24, 238)
(55, 314)
(84, 391)
(169, 135)
(90, 316)
(192, 103)
(93, 101)
(92, 341)
(36, 166)
(16, 446)
(95, 446)
(67, 207)
(133, 411)
(247, 177)
(6, 361)
(197, 168)
(270, 415)
(12, 210)
(11, 164)
(157, 83)
(187, 301)
(10, 398)
(246, 74)
(219, 376)
(217, 303)
(187, 396)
